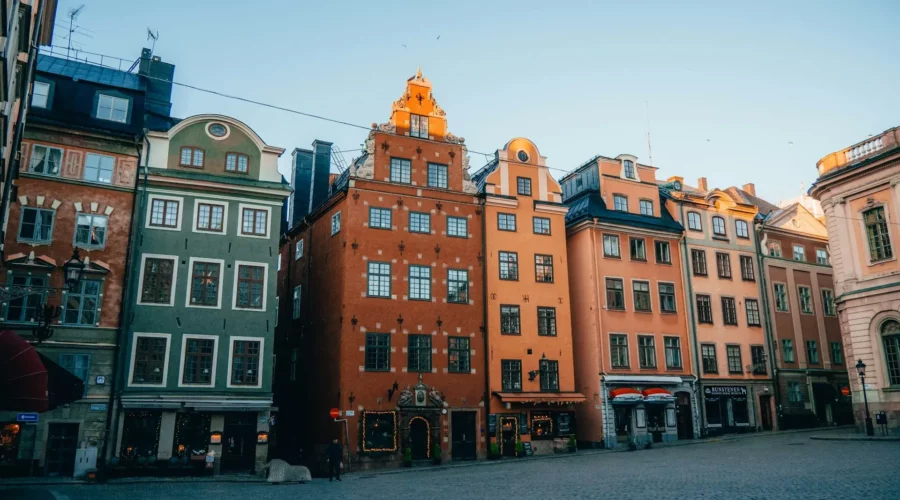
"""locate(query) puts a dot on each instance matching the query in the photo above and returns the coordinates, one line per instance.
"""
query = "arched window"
(741, 229)
(719, 226)
(629, 169)
(694, 221)
(890, 335)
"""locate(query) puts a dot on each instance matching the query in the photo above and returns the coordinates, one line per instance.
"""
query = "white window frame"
(215, 359)
(298, 250)
(296, 299)
(190, 282)
(195, 220)
(144, 258)
(336, 228)
(154, 196)
(165, 374)
(46, 96)
(240, 229)
(112, 107)
(234, 295)
(262, 361)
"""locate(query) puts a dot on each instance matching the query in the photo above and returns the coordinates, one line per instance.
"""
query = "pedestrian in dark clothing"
(335, 453)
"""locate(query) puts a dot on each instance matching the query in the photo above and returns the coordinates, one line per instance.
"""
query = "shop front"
(737, 408)
(544, 420)
(642, 410)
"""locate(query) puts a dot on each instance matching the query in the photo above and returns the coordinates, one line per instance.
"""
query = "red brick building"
(379, 311)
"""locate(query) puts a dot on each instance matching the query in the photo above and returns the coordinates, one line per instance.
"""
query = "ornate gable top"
(416, 102)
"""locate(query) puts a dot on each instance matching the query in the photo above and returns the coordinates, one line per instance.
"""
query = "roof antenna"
(152, 36)
(649, 148)
(73, 15)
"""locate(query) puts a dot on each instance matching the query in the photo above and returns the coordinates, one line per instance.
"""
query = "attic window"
(676, 186)
(112, 108)
(217, 130)
(522, 156)
(629, 169)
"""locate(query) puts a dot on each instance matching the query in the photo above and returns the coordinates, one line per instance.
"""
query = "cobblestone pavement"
(772, 467)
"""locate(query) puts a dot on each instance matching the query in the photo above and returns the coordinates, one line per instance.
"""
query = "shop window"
(740, 411)
(795, 392)
(140, 436)
(890, 331)
(713, 411)
(10, 437)
(541, 426)
(565, 423)
(379, 431)
(79, 365)
(191, 437)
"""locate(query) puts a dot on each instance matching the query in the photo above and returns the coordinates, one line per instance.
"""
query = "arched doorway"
(418, 438)
(684, 415)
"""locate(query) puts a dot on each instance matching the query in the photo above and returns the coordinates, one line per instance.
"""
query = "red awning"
(657, 395)
(625, 395)
(30, 381)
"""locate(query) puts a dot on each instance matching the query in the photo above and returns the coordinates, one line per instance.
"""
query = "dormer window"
(629, 169)
(718, 226)
(40, 95)
(418, 126)
(191, 157)
(112, 108)
(236, 162)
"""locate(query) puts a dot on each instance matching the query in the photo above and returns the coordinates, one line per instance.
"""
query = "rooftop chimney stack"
(158, 75)
(750, 188)
(701, 184)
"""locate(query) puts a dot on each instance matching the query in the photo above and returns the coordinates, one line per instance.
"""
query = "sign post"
(335, 413)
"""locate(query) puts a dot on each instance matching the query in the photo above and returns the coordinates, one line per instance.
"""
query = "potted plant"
(436, 454)
(494, 452)
(571, 445)
(520, 449)
(407, 457)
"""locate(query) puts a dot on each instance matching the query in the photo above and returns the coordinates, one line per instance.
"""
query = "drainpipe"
(484, 323)
(770, 334)
(685, 266)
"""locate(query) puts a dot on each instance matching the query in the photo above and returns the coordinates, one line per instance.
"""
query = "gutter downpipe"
(770, 335)
(685, 266)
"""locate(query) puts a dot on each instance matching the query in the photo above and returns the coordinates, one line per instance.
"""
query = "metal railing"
(94, 58)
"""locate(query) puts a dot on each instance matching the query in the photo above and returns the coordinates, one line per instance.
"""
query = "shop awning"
(657, 395)
(541, 397)
(29, 381)
(625, 395)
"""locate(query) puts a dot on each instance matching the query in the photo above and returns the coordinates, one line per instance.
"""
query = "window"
(795, 392)
(205, 284)
(610, 245)
(509, 320)
(255, 222)
(723, 265)
(90, 231)
(419, 353)
(549, 375)
(236, 162)
(799, 253)
(164, 213)
(149, 359)
(543, 268)
(459, 355)
(666, 297)
(378, 352)
(418, 126)
(419, 283)
(37, 225)
(806, 306)
(741, 229)
(419, 222)
(615, 294)
(523, 186)
(379, 279)
(620, 203)
(710, 365)
(663, 255)
(828, 302)
(541, 225)
(251, 282)
(747, 273)
(400, 170)
(890, 331)
(821, 256)
(457, 227)
(82, 303)
(787, 350)
(112, 108)
(78, 365)
(646, 207)
(198, 360)
(752, 306)
(380, 429)
(673, 353)
(457, 286)
(245, 356)
(694, 222)
(26, 308)
(638, 249)
(511, 370)
(437, 175)
(546, 321)
(641, 295)
(618, 348)
(379, 218)
(45, 160)
(781, 300)
(99, 168)
(758, 357)
(646, 351)
(629, 169)
(40, 94)
(718, 226)
(191, 157)
(698, 262)
(878, 235)
(210, 217)
(704, 309)
(157, 281)
(509, 266)
(812, 352)
(774, 249)
(729, 311)
(335, 223)
(734, 359)
(298, 290)
(837, 354)
(506, 222)
(298, 250)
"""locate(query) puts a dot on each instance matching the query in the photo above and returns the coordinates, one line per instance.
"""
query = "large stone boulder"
(283, 472)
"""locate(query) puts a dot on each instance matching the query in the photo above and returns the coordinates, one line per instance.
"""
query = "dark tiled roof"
(588, 205)
(88, 72)
(764, 206)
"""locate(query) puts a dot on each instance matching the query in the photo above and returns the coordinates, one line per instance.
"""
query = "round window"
(677, 186)
(523, 156)
(217, 130)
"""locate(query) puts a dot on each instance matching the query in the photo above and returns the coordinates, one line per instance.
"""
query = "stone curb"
(856, 438)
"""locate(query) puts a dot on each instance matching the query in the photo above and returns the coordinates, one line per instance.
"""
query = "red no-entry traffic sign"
(335, 413)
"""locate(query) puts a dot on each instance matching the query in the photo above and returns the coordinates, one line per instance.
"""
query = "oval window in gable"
(217, 130)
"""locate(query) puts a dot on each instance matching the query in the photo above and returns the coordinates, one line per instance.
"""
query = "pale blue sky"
(728, 86)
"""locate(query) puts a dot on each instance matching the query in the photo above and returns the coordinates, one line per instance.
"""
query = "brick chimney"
(701, 184)
(750, 188)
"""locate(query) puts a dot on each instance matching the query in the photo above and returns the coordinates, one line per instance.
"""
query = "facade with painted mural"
(859, 188)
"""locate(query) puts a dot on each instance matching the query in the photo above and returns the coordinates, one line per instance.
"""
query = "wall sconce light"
(392, 390)
(215, 437)
(262, 437)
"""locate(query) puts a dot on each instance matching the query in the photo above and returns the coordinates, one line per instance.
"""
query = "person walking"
(335, 454)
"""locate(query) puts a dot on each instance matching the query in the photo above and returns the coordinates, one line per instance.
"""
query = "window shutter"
(126, 169)
(74, 165)
(25, 157)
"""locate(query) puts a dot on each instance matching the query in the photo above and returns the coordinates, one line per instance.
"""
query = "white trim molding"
(262, 359)
(174, 259)
(194, 219)
(165, 373)
(190, 285)
(240, 226)
(235, 292)
(215, 359)
(150, 198)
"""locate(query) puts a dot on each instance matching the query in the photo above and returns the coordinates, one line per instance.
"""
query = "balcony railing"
(864, 149)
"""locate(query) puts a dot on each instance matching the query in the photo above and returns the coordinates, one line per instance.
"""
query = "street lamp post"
(861, 370)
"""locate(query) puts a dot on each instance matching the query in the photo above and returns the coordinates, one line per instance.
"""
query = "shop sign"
(725, 390)
(350, 413)
(98, 407)
(27, 417)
